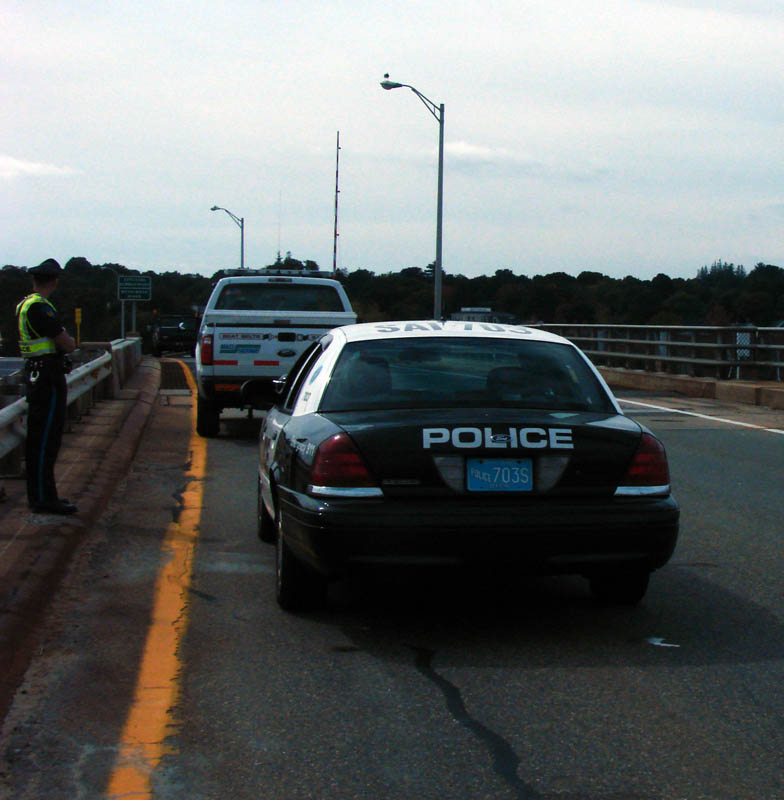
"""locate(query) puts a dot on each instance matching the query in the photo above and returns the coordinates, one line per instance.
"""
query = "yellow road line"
(150, 718)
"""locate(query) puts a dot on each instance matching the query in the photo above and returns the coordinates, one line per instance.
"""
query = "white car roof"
(431, 328)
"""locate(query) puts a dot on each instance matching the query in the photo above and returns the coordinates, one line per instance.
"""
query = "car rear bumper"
(540, 538)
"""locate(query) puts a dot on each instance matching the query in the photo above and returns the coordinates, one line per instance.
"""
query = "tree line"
(719, 294)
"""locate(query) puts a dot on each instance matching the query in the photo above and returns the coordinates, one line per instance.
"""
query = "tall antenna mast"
(337, 192)
(280, 212)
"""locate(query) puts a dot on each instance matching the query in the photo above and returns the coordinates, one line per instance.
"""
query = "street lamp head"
(388, 84)
(215, 208)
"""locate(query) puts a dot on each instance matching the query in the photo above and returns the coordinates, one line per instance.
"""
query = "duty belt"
(34, 365)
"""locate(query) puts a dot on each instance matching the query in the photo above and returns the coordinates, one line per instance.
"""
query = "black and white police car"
(458, 442)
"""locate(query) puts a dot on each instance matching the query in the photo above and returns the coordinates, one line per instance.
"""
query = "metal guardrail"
(101, 376)
(725, 353)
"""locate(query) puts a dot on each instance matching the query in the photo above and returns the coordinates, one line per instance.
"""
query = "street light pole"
(438, 112)
(241, 223)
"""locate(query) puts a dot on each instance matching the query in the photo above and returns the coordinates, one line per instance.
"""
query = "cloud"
(465, 156)
(477, 154)
(740, 7)
(775, 208)
(14, 167)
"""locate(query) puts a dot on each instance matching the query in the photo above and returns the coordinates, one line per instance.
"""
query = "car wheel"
(296, 586)
(207, 418)
(626, 588)
(265, 524)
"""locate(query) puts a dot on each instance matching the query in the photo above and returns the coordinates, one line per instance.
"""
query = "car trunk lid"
(431, 451)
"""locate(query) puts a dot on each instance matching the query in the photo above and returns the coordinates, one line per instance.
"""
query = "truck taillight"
(206, 349)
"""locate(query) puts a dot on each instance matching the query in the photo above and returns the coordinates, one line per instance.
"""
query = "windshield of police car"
(457, 372)
(278, 297)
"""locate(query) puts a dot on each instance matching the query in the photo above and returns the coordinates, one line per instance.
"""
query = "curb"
(54, 543)
(115, 463)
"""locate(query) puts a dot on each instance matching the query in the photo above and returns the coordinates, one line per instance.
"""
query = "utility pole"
(337, 192)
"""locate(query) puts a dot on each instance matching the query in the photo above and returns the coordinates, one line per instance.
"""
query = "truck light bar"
(307, 273)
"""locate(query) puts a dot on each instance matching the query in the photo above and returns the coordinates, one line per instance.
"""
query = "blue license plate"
(499, 474)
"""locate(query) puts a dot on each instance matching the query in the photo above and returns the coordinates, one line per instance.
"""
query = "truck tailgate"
(265, 347)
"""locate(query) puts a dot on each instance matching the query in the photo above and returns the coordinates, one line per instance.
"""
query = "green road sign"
(134, 287)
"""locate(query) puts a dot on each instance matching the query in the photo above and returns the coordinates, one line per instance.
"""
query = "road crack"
(505, 760)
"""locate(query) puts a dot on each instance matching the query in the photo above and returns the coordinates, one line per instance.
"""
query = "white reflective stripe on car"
(641, 491)
(344, 491)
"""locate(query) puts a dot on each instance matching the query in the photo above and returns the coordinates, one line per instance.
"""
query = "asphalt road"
(420, 686)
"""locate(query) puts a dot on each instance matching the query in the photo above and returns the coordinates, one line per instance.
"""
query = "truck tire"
(207, 418)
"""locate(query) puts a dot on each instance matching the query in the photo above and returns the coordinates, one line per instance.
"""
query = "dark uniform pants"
(46, 399)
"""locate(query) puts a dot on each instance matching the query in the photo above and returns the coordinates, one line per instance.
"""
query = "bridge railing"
(725, 353)
(100, 371)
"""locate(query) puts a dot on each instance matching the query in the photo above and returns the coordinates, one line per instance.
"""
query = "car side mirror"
(279, 384)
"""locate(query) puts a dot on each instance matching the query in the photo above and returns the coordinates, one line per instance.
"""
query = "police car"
(426, 442)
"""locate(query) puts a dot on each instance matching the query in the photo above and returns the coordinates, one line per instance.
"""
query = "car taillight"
(338, 469)
(206, 349)
(648, 472)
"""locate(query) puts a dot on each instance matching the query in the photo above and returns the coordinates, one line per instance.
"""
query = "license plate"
(499, 475)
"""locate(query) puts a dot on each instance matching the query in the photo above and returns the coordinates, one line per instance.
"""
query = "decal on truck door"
(240, 348)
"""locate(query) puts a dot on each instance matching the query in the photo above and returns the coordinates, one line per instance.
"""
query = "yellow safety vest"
(30, 343)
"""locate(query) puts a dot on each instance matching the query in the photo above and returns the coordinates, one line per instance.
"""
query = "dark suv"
(174, 332)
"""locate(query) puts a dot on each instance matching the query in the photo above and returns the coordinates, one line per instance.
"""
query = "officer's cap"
(47, 269)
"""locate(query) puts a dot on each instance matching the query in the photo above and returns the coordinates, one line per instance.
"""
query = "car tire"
(207, 418)
(297, 587)
(624, 588)
(265, 524)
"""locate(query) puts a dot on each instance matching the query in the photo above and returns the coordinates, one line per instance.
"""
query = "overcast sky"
(621, 136)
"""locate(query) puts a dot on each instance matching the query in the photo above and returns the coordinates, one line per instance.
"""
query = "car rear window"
(279, 297)
(460, 372)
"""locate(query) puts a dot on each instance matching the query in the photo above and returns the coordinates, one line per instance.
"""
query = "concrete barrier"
(759, 393)
(126, 355)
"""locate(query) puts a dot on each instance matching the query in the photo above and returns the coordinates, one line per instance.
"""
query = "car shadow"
(240, 429)
(502, 620)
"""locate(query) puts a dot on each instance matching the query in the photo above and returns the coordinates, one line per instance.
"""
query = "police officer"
(43, 343)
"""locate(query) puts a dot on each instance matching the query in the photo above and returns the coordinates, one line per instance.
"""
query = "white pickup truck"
(253, 329)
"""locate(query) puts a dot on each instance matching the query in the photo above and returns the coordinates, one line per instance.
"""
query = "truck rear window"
(279, 297)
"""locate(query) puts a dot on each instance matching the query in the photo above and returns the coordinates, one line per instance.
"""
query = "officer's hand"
(64, 343)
